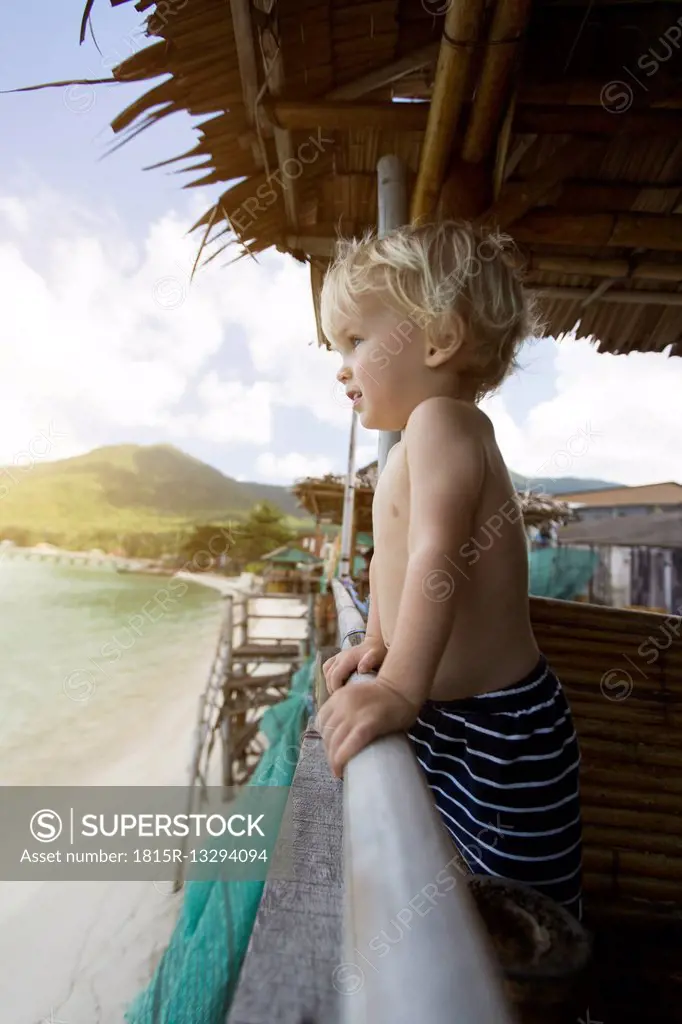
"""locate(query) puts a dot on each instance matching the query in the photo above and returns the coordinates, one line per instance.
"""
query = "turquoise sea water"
(89, 661)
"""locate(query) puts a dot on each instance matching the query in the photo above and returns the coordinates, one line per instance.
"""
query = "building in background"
(640, 557)
(626, 501)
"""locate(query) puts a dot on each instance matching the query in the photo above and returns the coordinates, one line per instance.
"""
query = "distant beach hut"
(290, 570)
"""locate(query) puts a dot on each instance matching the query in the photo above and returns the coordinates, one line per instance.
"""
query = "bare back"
(491, 644)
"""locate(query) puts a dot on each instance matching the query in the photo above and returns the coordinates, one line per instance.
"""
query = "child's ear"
(443, 344)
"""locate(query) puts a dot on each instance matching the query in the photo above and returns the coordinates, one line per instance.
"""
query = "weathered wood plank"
(295, 946)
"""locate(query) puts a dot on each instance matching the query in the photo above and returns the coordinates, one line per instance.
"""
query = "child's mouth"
(355, 395)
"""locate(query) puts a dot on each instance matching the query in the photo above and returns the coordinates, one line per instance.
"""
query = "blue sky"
(102, 336)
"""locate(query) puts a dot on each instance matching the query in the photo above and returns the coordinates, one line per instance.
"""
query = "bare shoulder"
(441, 417)
(446, 443)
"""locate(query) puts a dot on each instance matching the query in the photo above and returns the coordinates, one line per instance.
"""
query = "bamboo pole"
(602, 799)
(636, 298)
(632, 839)
(584, 93)
(639, 865)
(344, 115)
(622, 230)
(272, 53)
(641, 821)
(654, 889)
(460, 31)
(575, 613)
(648, 714)
(633, 753)
(348, 502)
(509, 22)
(605, 268)
(643, 780)
(246, 59)
(548, 120)
(312, 114)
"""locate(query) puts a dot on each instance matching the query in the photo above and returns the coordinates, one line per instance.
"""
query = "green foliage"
(239, 545)
(263, 530)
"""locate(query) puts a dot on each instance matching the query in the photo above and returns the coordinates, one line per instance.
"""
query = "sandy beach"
(79, 952)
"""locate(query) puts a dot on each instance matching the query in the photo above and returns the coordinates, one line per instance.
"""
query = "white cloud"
(234, 411)
(613, 417)
(290, 467)
(100, 337)
(97, 331)
(15, 212)
(366, 453)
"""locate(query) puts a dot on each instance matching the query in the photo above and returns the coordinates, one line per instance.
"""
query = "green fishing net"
(195, 980)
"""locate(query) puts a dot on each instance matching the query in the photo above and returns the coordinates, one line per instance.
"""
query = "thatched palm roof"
(323, 497)
(559, 122)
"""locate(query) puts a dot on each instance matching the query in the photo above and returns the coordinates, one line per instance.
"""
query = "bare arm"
(373, 620)
(445, 459)
(446, 465)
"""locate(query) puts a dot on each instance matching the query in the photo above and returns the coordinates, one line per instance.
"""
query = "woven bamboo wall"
(622, 673)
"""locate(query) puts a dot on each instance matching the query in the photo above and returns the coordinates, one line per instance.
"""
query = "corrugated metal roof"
(656, 529)
(289, 556)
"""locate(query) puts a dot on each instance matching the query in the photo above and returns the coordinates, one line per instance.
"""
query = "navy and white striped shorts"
(503, 769)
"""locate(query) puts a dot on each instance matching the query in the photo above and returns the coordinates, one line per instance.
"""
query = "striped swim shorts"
(503, 770)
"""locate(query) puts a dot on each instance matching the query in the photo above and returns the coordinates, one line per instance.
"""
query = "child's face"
(383, 368)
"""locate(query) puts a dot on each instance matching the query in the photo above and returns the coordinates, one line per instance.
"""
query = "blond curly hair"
(432, 272)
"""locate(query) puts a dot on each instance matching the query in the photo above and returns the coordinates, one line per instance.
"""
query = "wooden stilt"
(348, 503)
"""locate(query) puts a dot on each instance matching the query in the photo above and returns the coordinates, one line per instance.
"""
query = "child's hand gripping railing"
(415, 948)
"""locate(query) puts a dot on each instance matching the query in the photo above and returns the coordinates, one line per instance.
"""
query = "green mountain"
(123, 489)
(559, 485)
(103, 498)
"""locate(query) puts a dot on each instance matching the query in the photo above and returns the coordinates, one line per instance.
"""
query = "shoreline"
(84, 950)
(81, 951)
(247, 583)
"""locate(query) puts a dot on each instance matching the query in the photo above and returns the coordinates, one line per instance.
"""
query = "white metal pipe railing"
(415, 948)
(392, 212)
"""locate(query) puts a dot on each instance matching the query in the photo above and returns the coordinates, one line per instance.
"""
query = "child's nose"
(344, 374)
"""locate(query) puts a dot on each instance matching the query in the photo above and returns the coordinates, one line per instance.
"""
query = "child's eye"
(354, 340)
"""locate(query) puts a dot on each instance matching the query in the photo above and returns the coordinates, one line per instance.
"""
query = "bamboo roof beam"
(309, 115)
(597, 196)
(506, 31)
(283, 141)
(248, 73)
(313, 245)
(517, 199)
(605, 268)
(621, 230)
(549, 120)
(386, 74)
(585, 94)
(460, 31)
(586, 295)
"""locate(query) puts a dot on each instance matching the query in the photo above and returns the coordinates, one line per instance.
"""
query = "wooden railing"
(414, 946)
